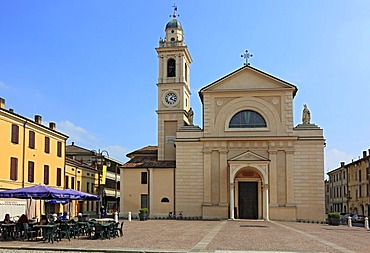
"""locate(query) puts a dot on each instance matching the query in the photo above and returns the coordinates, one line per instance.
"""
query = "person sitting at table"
(23, 221)
(56, 218)
(8, 231)
(6, 219)
(64, 216)
(44, 220)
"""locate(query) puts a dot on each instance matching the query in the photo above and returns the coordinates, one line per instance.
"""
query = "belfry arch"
(248, 186)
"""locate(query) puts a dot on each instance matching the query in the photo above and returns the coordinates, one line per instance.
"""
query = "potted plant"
(333, 218)
(143, 213)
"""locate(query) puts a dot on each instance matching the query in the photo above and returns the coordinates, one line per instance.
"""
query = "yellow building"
(358, 185)
(349, 186)
(80, 177)
(30, 153)
(109, 175)
(338, 190)
(248, 160)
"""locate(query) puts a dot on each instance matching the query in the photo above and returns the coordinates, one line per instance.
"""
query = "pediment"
(249, 156)
(248, 78)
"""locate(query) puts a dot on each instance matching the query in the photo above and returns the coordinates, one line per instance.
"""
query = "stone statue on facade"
(190, 116)
(306, 115)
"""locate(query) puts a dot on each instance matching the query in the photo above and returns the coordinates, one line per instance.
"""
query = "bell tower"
(173, 87)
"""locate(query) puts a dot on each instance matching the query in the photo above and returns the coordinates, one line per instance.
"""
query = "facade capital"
(223, 151)
(207, 150)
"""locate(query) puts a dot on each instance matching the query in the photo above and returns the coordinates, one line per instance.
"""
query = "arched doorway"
(362, 209)
(248, 174)
(248, 194)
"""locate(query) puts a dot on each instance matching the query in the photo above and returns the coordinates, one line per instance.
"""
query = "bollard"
(349, 221)
(116, 217)
(366, 223)
(129, 216)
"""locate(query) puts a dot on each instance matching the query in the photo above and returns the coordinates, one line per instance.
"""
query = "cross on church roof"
(174, 15)
(246, 56)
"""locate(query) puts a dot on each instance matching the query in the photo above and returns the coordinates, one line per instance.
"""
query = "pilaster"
(273, 177)
(290, 177)
(207, 176)
(223, 176)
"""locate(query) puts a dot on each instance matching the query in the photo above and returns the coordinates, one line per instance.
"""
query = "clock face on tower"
(170, 98)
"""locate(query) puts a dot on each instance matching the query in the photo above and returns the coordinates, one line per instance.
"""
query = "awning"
(110, 193)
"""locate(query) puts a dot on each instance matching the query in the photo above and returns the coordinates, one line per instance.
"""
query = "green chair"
(90, 229)
(64, 231)
(19, 230)
(54, 233)
(74, 228)
(51, 233)
(120, 229)
(99, 231)
(110, 230)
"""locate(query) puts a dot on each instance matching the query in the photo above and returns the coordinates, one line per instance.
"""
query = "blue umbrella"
(77, 195)
(36, 192)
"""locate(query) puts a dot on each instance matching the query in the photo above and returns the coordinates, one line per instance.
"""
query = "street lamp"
(100, 157)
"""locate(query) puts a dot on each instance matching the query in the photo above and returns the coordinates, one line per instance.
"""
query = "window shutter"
(31, 139)
(31, 171)
(66, 182)
(15, 134)
(59, 149)
(59, 176)
(46, 174)
(13, 168)
(47, 144)
(144, 177)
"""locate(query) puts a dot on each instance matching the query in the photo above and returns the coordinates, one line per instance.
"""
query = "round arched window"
(247, 119)
(171, 68)
(165, 200)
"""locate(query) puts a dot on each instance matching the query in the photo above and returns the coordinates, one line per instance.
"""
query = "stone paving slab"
(211, 236)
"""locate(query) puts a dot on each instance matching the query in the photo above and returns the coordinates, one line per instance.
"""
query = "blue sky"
(91, 66)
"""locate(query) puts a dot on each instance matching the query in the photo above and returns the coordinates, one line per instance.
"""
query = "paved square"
(212, 236)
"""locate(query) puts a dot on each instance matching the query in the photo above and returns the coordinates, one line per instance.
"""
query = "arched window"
(247, 119)
(171, 68)
(165, 200)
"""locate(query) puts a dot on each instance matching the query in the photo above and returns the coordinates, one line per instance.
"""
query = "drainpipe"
(148, 180)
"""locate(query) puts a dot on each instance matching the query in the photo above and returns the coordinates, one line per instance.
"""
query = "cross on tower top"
(174, 15)
(246, 56)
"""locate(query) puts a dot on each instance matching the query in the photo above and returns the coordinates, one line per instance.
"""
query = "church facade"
(248, 161)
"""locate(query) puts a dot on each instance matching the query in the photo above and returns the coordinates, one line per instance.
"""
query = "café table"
(47, 231)
(102, 230)
(8, 230)
(104, 220)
